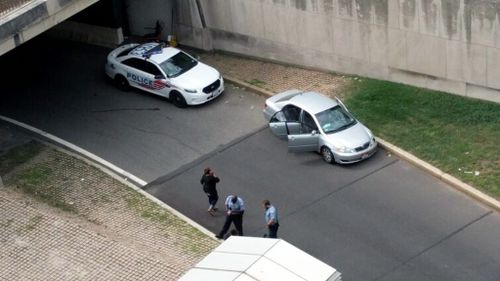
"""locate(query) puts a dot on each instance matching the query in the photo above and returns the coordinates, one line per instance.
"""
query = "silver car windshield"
(335, 119)
(178, 64)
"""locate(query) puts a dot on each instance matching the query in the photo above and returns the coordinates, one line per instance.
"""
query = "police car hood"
(197, 77)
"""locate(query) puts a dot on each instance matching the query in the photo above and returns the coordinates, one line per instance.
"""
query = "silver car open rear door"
(303, 142)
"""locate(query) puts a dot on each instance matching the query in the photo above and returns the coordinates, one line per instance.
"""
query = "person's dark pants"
(212, 200)
(237, 219)
(273, 230)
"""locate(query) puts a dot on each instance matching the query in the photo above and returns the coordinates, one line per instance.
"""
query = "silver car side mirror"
(314, 132)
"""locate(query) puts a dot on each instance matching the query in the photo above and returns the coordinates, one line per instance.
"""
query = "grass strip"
(18, 155)
(458, 135)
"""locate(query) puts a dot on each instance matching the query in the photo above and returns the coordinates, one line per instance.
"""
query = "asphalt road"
(69, 96)
(378, 220)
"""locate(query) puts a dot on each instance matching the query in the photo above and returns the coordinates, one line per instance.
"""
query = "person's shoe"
(215, 209)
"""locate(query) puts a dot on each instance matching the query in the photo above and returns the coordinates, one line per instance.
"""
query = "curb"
(248, 86)
(126, 175)
(108, 168)
(417, 162)
(447, 178)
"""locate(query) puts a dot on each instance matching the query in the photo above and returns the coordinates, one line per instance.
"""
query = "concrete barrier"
(87, 33)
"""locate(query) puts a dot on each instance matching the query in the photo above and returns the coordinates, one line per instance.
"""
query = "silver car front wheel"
(327, 154)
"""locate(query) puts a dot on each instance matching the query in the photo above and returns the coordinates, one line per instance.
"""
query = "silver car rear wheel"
(327, 154)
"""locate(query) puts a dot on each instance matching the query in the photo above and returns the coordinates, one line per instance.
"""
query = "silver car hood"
(352, 137)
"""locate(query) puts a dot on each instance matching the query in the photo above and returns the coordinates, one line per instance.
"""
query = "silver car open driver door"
(282, 128)
(279, 129)
(303, 142)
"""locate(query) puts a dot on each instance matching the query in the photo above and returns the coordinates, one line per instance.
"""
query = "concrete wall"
(448, 45)
(143, 14)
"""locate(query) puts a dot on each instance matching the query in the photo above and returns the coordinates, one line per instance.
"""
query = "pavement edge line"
(75, 148)
(110, 169)
(447, 178)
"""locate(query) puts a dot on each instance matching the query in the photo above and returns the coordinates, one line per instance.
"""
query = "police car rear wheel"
(122, 83)
(178, 100)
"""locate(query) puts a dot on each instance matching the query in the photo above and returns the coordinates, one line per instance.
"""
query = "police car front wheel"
(178, 100)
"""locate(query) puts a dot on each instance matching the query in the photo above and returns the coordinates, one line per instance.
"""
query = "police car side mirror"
(159, 76)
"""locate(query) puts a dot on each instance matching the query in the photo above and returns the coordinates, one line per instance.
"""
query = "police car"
(164, 71)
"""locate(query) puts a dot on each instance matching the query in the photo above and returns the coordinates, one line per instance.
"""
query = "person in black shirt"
(209, 181)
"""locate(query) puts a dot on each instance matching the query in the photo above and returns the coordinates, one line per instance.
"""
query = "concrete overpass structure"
(21, 20)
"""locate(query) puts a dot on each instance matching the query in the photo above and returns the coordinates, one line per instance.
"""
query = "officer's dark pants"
(237, 219)
(273, 230)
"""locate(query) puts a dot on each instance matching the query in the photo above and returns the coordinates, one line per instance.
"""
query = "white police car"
(165, 71)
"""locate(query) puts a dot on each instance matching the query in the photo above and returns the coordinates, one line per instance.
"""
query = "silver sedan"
(314, 122)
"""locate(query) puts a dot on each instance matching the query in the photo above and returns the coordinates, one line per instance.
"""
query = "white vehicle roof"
(242, 258)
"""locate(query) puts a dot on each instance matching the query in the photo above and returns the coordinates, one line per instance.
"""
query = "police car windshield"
(178, 64)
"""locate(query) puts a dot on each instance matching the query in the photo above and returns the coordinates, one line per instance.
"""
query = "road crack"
(324, 196)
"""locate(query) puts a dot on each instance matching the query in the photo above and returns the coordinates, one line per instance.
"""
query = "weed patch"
(149, 210)
(193, 241)
(257, 83)
(18, 155)
(34, 181)
(33, 222)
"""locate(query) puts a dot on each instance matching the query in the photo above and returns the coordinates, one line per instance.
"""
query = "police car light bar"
(153, 51)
